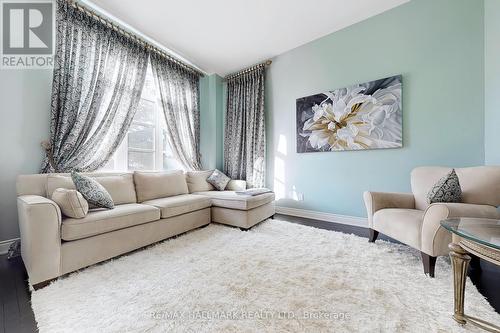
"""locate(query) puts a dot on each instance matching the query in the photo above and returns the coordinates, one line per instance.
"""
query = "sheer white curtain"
(179, 98)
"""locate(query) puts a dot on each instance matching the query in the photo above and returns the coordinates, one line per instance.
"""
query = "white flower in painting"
(350, 119)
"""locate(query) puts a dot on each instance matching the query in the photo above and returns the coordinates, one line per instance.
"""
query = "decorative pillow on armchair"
(218, 180)
(92, 191)
(447, 189)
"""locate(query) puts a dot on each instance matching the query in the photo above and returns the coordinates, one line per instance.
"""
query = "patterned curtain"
(98, 79)
(179, 97)
(245, 135)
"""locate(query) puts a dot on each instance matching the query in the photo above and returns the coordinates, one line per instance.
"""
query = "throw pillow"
(92, 191)
(71, 202)
(447, 189)
(218, 180)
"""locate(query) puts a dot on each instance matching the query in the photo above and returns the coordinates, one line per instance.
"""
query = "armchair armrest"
(375, 201)
(435, 239)
(236, 185)
(40, 228)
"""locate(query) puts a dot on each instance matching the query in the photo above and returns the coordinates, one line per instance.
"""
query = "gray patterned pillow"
(218, 180)
(92, 191)
(447, 189)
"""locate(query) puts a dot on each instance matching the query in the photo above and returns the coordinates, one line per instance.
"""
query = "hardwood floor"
(16, 315)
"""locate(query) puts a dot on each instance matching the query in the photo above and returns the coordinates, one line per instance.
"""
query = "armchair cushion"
(400, 223)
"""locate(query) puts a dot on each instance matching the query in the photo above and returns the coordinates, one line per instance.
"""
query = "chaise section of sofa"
(243, 211)
(229, 207)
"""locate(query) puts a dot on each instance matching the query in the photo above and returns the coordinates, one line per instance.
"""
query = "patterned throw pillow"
(447, 189)
(92, 191)
(218, 180)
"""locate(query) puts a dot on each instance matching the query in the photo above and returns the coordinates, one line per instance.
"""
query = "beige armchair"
(409, 218)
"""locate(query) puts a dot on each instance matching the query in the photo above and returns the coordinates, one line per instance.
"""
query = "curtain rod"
(248, 70)
(109, 23)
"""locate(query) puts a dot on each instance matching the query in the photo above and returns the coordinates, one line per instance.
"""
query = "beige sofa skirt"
(242, 218)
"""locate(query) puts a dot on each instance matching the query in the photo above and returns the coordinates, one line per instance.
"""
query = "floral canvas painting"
(363, 116)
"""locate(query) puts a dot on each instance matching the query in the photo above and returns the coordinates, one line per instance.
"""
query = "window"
(146, 145)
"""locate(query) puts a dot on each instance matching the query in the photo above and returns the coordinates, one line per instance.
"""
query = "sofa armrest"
(375, 201)
(435, 239)
(236, 185)
(40, 228)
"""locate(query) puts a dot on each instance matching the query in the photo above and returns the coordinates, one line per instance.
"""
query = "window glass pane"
(141, 137)
(141, 160)
(145, 112)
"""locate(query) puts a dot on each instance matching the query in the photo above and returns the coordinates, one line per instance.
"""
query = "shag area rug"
(277, 277)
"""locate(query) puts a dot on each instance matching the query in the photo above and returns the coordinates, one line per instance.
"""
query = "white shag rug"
(277, 277)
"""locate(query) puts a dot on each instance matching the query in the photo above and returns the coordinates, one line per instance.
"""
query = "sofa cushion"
(154, 185)
(197, 181)
(120, 186)
(401, 224)
(100, 221)
(229, 199)
(179, 204)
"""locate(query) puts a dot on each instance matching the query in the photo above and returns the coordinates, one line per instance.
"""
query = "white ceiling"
(223, 36)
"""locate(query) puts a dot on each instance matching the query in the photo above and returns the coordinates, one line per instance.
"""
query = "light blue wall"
(492, 81)
(436, 45)
(211, 110)
(25, 116)
(438, 48)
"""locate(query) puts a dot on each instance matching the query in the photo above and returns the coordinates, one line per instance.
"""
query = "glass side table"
(480, 237)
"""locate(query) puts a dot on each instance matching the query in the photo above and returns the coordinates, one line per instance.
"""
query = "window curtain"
(179, 99)
(245, 135)
(98, 78)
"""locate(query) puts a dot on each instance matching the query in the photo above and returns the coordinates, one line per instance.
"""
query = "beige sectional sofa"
(149, 207)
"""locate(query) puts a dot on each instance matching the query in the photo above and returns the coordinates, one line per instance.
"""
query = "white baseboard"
(4, 245)
(327, 217)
